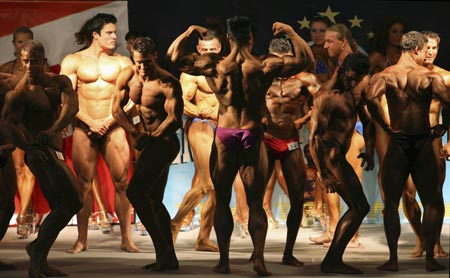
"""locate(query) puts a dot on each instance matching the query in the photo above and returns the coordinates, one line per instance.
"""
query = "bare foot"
(260, 268)
(417, 251)
(439, 251)
(162, 266)
(389, 266)
(351, 244)
(175, 230)
(36, 259)
(130, 247)
(222, 268)
(324, 238)
(49, 271)
(339, 267)
(5, 266)
(291, 260)
(206, 245)
(433, 265)
(77, 247)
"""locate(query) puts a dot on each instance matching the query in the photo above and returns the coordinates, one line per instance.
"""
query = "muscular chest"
(285, 94)
(41, 102)
(103, 69)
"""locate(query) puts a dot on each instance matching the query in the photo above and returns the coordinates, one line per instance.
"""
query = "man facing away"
(240, 81)
(409, 88)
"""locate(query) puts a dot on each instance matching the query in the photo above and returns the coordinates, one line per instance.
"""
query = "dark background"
(165, 20)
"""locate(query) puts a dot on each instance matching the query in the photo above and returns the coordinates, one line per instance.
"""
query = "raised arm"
(176, 53)
(303, 56)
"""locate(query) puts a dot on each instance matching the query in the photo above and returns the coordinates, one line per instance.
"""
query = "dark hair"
(134, 35)
(22, 29)
(216, 29)
(320, 18)
(381, 39)
(35, 48)
(83, 36)
(144, 45)
(280, 46)
(96, 23)
(239, 28)
(356, 62)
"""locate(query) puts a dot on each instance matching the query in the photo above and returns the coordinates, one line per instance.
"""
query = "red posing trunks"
(280, 147)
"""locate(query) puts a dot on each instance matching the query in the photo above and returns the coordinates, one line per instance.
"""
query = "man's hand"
(445, 151)
(367, 160)
(438, 131)
(142, 141)
(44, 137)
(279, 28)
(97, 129)
(328, 181)
(35, 156)
(398, 136)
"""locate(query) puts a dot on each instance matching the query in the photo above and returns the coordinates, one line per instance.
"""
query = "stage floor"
(104, 259)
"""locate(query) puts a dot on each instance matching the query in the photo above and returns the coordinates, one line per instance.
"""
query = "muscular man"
(283, 116)
(435, 112)
(333, 122)
(7, 171)
(34, 114)
(339, 43)
(158, 97)
(201, 106)
(240, 81)
(409, 88)
(93, 73)
(25, 179)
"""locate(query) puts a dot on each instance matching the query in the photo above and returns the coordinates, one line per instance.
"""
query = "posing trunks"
(280, 147)
(93, 136)
(359, 127)
(206, 121)
(238, 138)
(413, 145)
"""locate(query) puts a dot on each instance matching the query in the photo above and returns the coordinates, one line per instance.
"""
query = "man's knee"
(121, 187)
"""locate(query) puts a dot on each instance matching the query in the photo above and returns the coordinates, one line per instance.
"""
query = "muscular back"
(240, 85)
(409, 94)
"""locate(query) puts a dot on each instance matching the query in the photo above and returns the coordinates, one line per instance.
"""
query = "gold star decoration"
(304, 23)
(370, 35)
(356, 22)
(330, 14)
